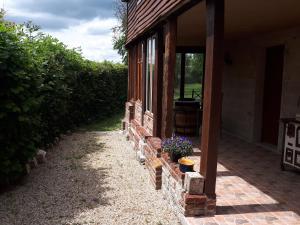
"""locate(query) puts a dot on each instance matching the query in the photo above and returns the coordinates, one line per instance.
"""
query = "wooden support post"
(168, 77)
(182, 75)
(158, 85)
(212, 93)
(129, 76)
(134, 74)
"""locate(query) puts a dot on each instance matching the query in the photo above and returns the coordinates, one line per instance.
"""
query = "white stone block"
(193, 183)
(142, 146)
(141, 158)
(41, 156)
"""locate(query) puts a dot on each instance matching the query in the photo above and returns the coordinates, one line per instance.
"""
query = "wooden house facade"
(251, 79)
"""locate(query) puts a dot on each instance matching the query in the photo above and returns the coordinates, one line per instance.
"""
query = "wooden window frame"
(139, 76)
(150, 71)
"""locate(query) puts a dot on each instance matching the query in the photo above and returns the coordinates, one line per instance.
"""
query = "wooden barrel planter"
(186, 118)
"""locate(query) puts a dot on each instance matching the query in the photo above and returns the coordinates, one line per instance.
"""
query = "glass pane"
(177, 76)
(148, 73)
(152, 71)
(193, 76)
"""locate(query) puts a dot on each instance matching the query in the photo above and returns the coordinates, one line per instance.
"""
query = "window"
(193, 75)
(150, 70)
(139, 71)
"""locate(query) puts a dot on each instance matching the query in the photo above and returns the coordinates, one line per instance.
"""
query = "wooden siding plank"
(141, 16)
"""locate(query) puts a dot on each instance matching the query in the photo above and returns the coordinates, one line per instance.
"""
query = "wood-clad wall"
(142, 15)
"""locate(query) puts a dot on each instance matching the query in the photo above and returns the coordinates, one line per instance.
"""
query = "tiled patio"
(251, 188)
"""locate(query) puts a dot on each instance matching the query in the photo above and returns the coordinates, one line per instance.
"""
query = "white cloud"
(96, 47)
(94, 36)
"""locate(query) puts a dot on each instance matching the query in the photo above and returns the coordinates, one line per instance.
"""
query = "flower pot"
(175, 157)
(186, 165)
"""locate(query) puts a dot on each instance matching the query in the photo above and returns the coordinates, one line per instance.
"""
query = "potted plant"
(177, 147)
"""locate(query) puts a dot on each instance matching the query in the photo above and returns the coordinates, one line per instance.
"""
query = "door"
(272, 94)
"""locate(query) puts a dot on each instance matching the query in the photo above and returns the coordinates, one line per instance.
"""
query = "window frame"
(150, 71)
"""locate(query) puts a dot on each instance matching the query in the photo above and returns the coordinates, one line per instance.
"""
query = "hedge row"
(45, 90)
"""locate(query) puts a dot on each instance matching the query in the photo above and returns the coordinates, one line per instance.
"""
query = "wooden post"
(134, 77)
(158, 85)
(182, 75)
(168, 77)
(212, 93)
(129, 76)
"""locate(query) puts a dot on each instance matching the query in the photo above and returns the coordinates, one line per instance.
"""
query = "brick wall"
(129, 115)
(153, 163)
(138, 113)
(148, 122)
(184, 191)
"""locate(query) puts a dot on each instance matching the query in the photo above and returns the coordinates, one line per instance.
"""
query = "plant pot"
(175, 157)
(186, 168)
(186, 165)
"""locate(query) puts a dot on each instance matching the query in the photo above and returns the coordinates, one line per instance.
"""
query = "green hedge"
(47, 89)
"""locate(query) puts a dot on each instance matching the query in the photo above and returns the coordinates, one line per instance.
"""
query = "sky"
(77, 23)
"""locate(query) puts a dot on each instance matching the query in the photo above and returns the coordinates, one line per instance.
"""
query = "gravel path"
(89, 178)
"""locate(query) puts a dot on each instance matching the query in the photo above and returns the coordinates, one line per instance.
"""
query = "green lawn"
(108, 124)
(188, 89)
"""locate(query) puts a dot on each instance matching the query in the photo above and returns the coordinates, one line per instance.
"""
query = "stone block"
(41, 156)
(141, 158)
(193, 183)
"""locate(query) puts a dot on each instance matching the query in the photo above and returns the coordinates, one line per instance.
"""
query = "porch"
(248, 79)
(251, 188)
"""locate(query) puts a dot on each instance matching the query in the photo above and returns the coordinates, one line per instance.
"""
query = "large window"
(150, 70)
(193, 65)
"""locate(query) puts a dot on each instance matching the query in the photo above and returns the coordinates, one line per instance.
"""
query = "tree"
(120, 31)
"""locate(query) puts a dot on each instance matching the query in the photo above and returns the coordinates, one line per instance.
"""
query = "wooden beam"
(129, 77)
(158, 85)
(182, 75)
(212, 93)
(135, 66)
(190, 49)
(168, 78)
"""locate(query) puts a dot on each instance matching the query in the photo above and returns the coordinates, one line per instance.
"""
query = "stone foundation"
(153, 163)
(184, 191)
(129, 115)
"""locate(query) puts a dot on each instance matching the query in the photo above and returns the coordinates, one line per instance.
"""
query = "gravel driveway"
(89, 178)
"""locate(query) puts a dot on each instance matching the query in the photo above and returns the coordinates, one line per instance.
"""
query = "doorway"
(272, 94)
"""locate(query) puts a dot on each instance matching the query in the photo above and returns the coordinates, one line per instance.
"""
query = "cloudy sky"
(77, 23)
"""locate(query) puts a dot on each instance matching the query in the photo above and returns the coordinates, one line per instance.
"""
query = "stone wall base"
(184, 192)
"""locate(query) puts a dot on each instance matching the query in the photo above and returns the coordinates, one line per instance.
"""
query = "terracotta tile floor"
(251, 188)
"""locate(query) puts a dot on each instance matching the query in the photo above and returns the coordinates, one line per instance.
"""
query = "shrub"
(47, 89)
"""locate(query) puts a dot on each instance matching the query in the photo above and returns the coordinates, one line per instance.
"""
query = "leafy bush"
(47, 89)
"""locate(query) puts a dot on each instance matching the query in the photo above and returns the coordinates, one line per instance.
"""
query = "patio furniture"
(291, 144)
